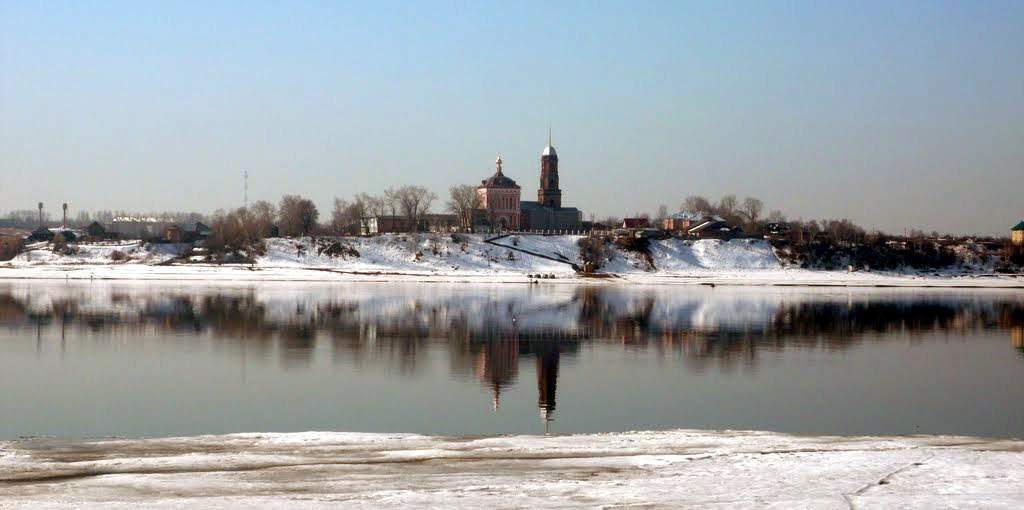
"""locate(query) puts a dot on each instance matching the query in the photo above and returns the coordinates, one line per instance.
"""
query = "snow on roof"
(549, 151)
(141, 219)
(695, 216)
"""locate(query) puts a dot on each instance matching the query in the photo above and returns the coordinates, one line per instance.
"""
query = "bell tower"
(548, 194)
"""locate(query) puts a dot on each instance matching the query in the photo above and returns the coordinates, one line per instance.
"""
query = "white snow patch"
(681, 468)
(447, 258)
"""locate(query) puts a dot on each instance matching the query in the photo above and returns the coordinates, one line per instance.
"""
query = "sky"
(893, 114)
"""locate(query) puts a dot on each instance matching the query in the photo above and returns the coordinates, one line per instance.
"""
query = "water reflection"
(489, 333)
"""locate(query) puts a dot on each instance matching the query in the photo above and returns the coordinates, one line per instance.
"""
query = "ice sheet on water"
(676, 468)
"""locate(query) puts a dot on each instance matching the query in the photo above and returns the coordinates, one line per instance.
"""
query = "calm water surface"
(145, 359)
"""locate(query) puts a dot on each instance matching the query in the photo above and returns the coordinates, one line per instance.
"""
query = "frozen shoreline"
(270, 273)
(470, 258)
(662, 468)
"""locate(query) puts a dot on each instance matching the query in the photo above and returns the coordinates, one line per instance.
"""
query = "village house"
(383, 224)
(387, 224)
(139, 227)
(1017, 234)
(682, 222)
(439, 223)
(186, 233)
(173, 234)
(41, 234)
(713, 228)
(635, 223)
(96, 230)
(779, 231)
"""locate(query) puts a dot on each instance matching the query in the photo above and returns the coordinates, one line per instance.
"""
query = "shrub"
(118, 256)
(593, 253)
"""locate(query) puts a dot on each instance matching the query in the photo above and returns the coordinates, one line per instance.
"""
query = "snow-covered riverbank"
(667, 468)
(469, 258)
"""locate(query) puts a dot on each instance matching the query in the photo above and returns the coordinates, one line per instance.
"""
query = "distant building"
(683, 221)
(777, 231)
(1017, 234)
(499, 198)
(139, 227)
(501, 207)
(96, 230)
(373, 225)
(195, 231)
(713, 228)
(441, 223)
(41, 234)
(635, 223)
(547, 212)
(189, 232)
(173, 234)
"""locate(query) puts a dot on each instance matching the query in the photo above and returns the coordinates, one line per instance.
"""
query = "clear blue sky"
(893, 114)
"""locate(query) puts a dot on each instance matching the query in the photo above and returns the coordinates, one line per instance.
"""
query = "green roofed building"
(1017, 234)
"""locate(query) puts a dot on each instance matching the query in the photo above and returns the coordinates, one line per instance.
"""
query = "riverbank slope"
(472, 258)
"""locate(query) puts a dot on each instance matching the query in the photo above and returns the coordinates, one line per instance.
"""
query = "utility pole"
(245, 189)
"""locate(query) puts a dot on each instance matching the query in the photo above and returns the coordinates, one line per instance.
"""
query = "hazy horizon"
(895, 116)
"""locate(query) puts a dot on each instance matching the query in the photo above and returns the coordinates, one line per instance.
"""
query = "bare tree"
(340, 216)
(359, 209)
(751, 210)
(83, 219)
(350, 216)
(298, 215)
(662, 213)
(593, 253)
(414, 202)
(697, 203)
(776, 216)
(263, 214)
(391, 201)
(371, 206)
(236, 231)
(727, 205)
(464, 199)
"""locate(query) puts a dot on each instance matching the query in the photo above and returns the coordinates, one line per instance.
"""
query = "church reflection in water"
(489, 335)
(496, 365)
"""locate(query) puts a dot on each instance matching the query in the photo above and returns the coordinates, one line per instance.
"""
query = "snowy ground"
(681, 468)
(468, 258)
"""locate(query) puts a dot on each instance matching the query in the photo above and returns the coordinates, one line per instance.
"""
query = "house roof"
(197, 227)
(1019, 226)
(711, 223)
(695, 216)
(498, 181)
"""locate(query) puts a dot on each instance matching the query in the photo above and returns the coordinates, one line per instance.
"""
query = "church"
(501, 206)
